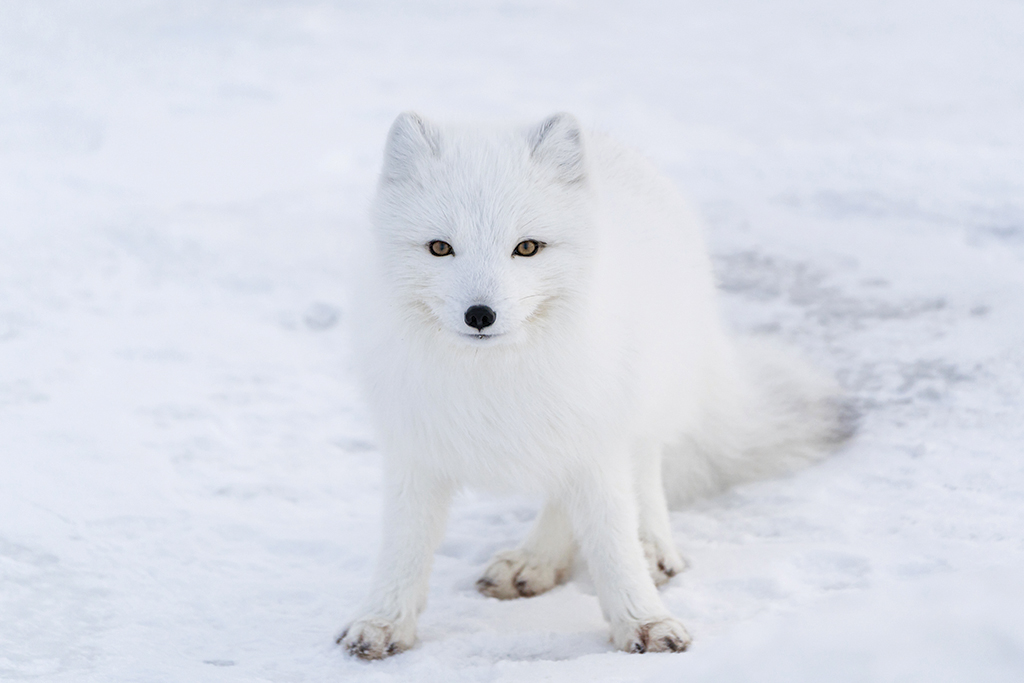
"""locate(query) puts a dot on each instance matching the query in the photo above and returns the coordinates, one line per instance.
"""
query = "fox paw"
(376, 638)
(663, 561)
(518, 574)
(660, 635)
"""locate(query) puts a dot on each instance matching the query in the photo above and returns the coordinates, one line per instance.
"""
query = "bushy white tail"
(770, 414)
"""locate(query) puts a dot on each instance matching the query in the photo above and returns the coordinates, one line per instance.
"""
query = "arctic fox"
(541, 317)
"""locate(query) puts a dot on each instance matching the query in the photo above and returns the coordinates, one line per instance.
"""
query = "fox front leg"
(603, 512)
(416, 509)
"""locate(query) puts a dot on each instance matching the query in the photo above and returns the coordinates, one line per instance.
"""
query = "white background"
(188, 488)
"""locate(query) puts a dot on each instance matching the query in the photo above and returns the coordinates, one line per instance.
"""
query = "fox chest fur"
(494, 419)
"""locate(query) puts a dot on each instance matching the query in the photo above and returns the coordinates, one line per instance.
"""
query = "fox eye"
(439, 248)
(528, 248)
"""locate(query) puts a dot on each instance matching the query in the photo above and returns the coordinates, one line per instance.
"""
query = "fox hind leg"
(663, 560)
(540, 563)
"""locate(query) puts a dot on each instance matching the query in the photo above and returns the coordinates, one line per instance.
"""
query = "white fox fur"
(606, 381)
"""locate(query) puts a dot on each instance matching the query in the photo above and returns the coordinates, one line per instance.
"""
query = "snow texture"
(188, 488)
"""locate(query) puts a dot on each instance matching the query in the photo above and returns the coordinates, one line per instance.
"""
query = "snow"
(188, 487)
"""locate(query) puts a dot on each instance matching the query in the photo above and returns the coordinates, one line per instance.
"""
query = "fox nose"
(480, 316)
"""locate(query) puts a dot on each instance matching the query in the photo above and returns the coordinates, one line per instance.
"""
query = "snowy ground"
(188, 489)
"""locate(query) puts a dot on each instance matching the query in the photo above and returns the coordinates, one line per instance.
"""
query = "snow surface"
(188, 489)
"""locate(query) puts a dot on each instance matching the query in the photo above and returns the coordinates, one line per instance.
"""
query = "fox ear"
(411, 138)
(558, 142)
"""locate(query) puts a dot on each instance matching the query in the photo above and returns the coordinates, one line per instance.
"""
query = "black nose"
(480, 317)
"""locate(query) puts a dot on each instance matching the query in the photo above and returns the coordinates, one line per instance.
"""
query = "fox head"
(483, 233)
